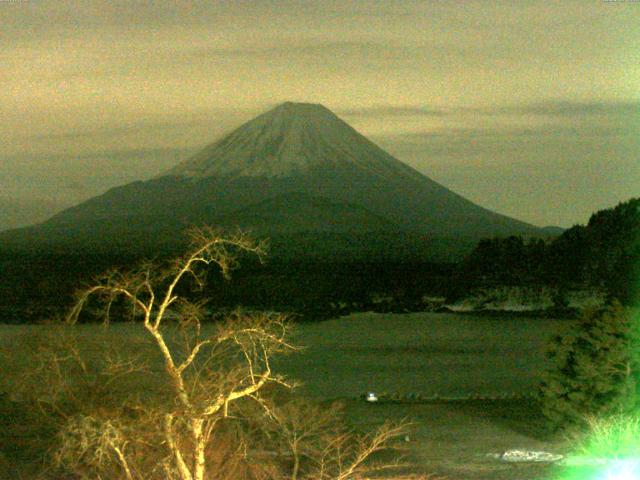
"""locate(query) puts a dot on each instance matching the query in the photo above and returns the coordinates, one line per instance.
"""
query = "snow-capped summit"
(290, 139)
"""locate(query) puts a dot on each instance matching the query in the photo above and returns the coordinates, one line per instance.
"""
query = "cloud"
(542, 174)
(571, 108)
(509, 132)
(90, 173)
(519, 119)
(392, 111)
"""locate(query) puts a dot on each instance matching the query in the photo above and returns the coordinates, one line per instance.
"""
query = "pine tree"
(596, 368)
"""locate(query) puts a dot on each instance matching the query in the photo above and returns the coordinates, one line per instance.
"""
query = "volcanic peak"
(289, 140)
(300, 108)
(297, 167)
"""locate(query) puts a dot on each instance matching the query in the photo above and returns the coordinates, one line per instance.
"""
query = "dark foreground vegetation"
(317, 278)
(175, 401)
(33, 286)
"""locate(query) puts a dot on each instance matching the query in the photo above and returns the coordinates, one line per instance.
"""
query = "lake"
(446, 354)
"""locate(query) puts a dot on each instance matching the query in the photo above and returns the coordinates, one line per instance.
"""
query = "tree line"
(604, 254)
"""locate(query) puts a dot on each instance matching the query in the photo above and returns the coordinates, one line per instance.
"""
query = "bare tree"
(245, 343)
(344, 454)
(180, 425)
(316, 435)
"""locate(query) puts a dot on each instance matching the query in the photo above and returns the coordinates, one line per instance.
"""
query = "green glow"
(612, 446)
(616, 437)
(623, 470)
(606, 469)
(615, 470)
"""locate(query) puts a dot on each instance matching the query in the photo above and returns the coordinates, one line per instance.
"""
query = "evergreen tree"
(596, 368)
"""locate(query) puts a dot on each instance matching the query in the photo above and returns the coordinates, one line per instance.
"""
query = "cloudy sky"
(529, 108)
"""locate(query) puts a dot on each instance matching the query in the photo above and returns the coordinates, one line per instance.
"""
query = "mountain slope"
(298, 212)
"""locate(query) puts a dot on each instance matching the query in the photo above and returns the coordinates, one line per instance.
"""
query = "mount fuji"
(297, 169)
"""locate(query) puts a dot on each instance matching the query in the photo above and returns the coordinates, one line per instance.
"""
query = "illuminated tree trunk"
(199, 441)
